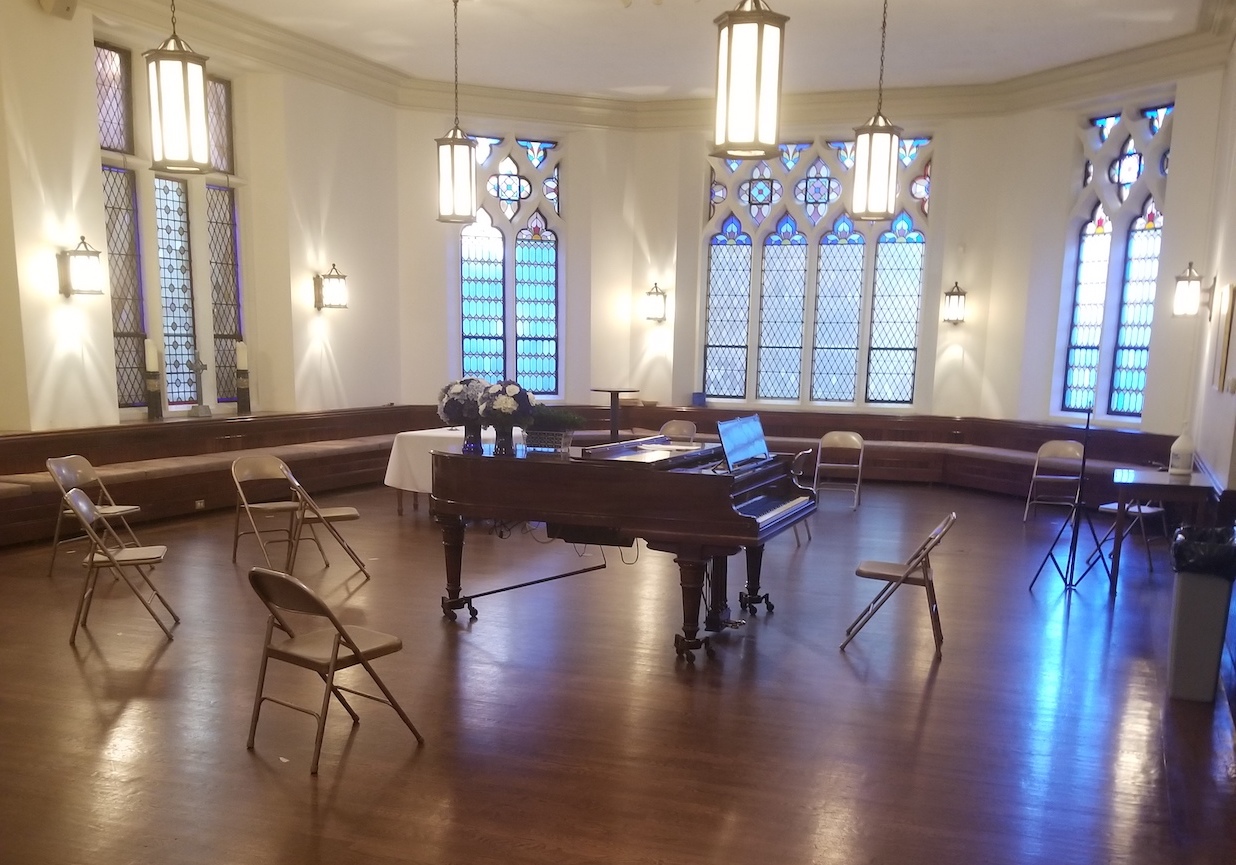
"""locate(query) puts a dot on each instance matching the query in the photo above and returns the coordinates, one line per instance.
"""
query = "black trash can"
(1205, 565)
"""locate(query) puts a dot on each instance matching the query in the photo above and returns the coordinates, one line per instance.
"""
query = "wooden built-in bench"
(177, 467)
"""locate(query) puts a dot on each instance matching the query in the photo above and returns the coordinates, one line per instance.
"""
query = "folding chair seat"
(76, 472)
(1056, 477)
(679, 430)
(839, 463)
(915, 571)
(1137, 514)
(301, 511)
(107, 552)
(327, 649)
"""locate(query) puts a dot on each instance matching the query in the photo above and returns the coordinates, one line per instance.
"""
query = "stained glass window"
(509, 187)
(176, 289)
(1085, 333)
(224, 286)
(536, 307)
(760, 193)
(219, 121)
(484, 292)
(783, 292)
(817, 191)
(484, 147)
(511, 275)
(124, 278)
(784, 308)
(113, 95)
(895, 307)
(1110, 308)
(838, 303)
(1125, 169)
(908, 149)
(1132, 352)
(728, 308)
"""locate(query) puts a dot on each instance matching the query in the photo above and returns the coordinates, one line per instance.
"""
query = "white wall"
(54, 196)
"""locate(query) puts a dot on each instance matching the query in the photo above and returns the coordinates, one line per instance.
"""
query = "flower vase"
(472, 437)
(504, 440)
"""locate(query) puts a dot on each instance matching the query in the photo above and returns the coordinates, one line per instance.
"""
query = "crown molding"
(245, 43)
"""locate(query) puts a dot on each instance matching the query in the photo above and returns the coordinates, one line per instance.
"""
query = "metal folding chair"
(915, 571)
(107, 552)
(324, 650)
(679, 430)
(838, 459)
(76, 472)
(1056, 476)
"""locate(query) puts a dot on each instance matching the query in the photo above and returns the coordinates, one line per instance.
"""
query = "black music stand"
(1068, 573)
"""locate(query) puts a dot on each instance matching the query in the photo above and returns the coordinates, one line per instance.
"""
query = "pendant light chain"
(883, 39)
(456, 5)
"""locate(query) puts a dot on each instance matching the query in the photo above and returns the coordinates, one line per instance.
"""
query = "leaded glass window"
(800, 298)
(113, 98)
(536, 306)
(511, 277)
(224, 286)
(729, 302)
(782, 294)
(176, 290)
(124, 278)
(838, 306)
(1110, 308)
(895, 310)
(219, 123)
(484, 291)
(1136, 313)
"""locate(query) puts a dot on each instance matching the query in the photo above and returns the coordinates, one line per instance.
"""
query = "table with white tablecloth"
(410, 468)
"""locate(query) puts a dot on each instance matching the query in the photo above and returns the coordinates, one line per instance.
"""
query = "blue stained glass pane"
(908, 149)
(536, 150)
(760, 193)
(509, 187)
(817, 191)
(176, 290)
(790, 154)
(1156, 116)
(549, 188)
(1105, 125)
(732, 164)
(1090, 291)
(483, 299)
(1125, 169)
(845, 153)
(536, 307)
(1136, 313)
(782, 297)
(485, 147)
(838, 300)
(920, 189)
(728, 305)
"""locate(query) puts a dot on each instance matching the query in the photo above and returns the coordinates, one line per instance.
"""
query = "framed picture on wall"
(1224, 361)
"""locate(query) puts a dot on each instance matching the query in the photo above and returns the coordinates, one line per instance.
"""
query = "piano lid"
(656, 450)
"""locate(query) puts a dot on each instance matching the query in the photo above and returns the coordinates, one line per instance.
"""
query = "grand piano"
(679, 499)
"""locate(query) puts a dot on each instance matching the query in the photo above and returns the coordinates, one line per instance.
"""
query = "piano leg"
(452, 546)
(691, 578)
(755, 563)
(717, 616)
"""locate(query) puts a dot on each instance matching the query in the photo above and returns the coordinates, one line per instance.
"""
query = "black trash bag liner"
(1205, 551)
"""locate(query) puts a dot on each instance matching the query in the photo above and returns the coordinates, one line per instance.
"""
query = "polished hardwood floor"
(561, 728)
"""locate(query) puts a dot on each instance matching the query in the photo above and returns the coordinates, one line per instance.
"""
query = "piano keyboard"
(767, 508)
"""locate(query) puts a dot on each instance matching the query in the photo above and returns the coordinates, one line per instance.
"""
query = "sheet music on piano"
(742, 441)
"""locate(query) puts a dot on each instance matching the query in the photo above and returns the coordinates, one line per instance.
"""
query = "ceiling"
(665, 49)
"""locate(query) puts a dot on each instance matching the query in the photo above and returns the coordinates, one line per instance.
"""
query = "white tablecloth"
(410, 467)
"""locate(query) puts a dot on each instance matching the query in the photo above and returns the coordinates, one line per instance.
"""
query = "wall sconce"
(178, 125)
(1190, 296)
(955, 305)
(81, 270)
(330, 290)
(749, 59)
(655, 303)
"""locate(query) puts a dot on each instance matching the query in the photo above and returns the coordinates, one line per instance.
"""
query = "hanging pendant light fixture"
(456, 161)
(749, 59)
(178, 128)
(875, 155)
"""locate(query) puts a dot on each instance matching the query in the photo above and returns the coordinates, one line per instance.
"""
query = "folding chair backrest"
(90, 518)
(261, 467)
(679, 429)
(920, 555)
(1060, 449)
(280, 592)
(841, 439)
(72, 472)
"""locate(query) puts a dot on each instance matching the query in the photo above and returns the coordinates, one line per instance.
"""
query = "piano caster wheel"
(449, 614)
(683, 647)
(768, 605)
(748, 602)
(472, 612)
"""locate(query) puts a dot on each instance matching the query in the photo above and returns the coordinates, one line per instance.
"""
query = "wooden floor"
(561, 728)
